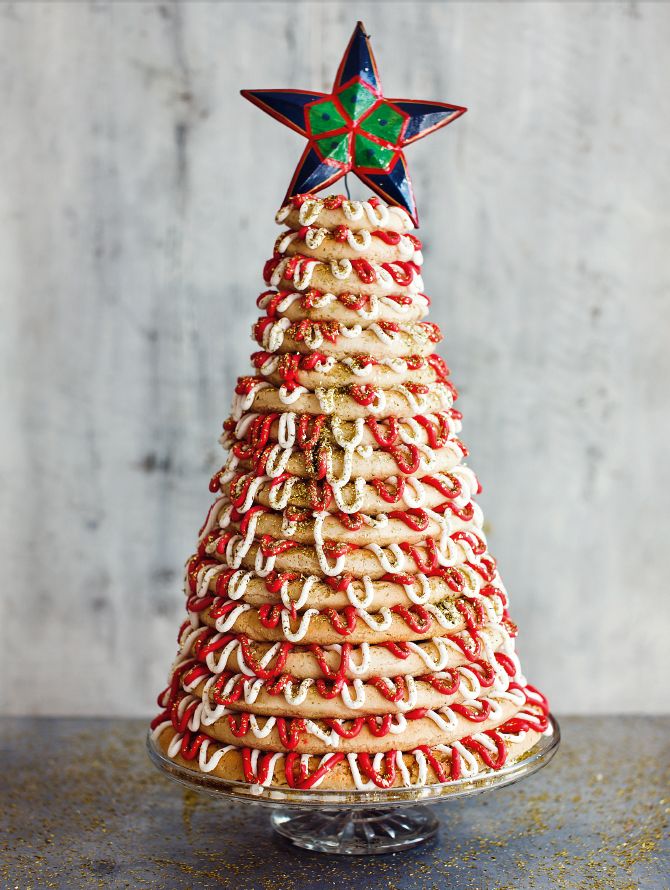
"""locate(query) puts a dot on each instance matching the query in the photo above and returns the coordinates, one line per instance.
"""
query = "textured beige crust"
(303, 560)
(422, 731)
(376, 252)
(348, 430)
(340, 375)
(322, 279)
(331, 219)
(413, 338)
(372, 502)
(317, 707)
(380, 465)
(394, 531)
(438, 399)
(383, 309)
(321, 630)
(340, 777)
(321, 596)
(301, 662)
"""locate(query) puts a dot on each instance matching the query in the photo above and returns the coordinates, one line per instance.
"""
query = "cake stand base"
(356, 832)
(357, 822)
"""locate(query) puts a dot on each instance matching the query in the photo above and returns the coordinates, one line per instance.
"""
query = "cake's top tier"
(338, 210)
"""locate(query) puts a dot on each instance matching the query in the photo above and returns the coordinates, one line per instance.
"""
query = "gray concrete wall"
(136, 210)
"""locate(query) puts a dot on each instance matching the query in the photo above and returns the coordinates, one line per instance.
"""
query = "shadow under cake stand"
(359, 822)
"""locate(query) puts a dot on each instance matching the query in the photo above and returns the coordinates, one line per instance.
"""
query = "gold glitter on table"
(82, 807)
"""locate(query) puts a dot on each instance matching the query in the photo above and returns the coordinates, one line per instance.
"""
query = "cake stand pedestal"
(356, 832)
(359, 822)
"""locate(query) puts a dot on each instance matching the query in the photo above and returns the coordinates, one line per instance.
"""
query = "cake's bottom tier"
(471, 755)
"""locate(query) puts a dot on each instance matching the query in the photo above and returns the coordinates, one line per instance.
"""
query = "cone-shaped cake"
(347, 627)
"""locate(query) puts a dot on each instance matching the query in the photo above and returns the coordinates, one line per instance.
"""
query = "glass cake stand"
(359, 822)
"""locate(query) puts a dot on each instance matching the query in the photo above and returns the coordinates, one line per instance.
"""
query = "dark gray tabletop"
(83, 807)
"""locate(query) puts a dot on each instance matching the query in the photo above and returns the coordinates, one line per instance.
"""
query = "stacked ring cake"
(347, 627)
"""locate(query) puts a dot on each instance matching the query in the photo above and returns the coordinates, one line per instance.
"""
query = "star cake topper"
(355, 128)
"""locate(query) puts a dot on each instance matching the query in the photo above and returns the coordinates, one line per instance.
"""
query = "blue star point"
(355, 128)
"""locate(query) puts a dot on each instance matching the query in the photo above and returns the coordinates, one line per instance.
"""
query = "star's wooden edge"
(456, 112)
(255, 97)
(411, 210)
(338, 173)
(360, 27)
